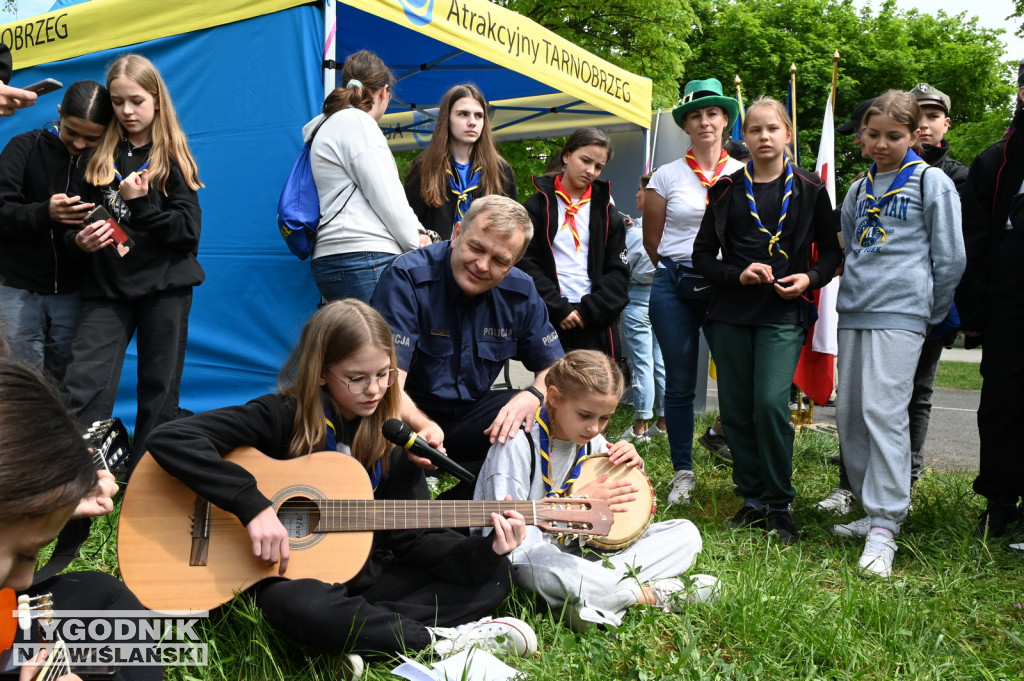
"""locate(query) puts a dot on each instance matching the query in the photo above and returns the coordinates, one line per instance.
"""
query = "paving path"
(952, 442)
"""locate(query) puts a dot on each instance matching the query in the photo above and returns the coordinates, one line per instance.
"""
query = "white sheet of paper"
(471, 665)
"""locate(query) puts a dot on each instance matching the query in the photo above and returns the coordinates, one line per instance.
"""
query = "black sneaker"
(999, 518)
(717, 445)
(780, 523)
(748, 516)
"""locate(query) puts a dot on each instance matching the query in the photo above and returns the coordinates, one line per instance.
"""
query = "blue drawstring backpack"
(298, 209)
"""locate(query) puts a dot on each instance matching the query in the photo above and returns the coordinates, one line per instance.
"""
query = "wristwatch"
(536, 393)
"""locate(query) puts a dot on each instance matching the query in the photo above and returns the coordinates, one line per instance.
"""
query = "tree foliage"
(647, 38)
(759, 39)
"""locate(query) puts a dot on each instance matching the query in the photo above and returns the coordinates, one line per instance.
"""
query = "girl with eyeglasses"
(334, 394)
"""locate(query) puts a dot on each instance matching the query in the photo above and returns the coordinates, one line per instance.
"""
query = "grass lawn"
(952, 609)
(958, 376)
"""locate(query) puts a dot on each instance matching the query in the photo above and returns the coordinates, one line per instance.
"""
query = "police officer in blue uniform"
(459, 310)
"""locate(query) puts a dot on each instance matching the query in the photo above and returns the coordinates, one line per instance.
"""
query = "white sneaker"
(682, 484)
(879, 552)
(673, 593)
(503, 635)
(353, 668)
(839, 502)
(655, 431)
(631, 435)
(857, 528)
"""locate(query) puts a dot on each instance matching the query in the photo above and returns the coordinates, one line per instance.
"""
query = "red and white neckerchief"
(571, 209)
(691, 161)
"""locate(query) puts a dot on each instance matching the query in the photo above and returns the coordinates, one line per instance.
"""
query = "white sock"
(888, 534)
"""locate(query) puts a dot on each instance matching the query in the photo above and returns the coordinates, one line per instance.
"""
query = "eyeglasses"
(360, 384)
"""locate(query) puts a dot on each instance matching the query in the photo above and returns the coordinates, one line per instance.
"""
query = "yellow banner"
(517, 43)
(107, 24)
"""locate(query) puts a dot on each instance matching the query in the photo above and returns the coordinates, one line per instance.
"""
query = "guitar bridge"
(200, 533)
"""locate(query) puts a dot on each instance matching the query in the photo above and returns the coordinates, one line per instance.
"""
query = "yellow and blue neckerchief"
(463, 189)
(332, 444)
(787, 194)
(545, 458)
(874, 211)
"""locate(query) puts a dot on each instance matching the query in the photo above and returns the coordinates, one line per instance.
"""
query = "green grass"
(951, 611)
(958, 376)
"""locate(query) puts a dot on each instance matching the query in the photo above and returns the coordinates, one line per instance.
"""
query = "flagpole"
(835, 77)
(792, 85)
(737, 125)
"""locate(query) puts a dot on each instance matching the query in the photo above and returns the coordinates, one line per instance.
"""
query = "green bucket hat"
(701, 93)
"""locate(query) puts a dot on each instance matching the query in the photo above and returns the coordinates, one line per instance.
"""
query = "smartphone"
(44, 86)
(122, 242)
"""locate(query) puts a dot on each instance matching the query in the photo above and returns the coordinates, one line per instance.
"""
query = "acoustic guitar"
(19, 612)
(178, 552)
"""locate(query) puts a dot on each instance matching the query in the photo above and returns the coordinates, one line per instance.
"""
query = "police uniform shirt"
(454, 346)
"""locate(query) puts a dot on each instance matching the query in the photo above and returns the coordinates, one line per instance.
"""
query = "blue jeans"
(40, 327)
(349, 275)
(644, 355)
(676, 324)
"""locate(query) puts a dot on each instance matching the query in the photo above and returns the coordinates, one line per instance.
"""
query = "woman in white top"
(673, 208)
(366, 221)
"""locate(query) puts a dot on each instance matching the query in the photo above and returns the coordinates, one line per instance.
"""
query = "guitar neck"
(359, 515)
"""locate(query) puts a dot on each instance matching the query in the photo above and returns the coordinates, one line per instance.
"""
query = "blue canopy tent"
(245, 75)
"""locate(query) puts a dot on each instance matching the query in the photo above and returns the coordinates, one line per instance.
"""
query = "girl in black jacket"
(577, 256)
(144, 174)
(40, 214)
(419, 585)
(460, 163)
(763, 221)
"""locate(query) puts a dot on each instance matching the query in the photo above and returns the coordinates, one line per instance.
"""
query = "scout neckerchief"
(572, 208)
(545, 458)
(332, 443)
(773, 241)
(120, 179)
(874, 211)
(463, 189)
(691, 161)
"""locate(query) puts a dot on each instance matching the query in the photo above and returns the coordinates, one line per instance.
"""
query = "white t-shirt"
(571, 265)
(687, 200)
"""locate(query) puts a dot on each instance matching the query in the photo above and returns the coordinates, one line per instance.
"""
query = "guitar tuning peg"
(24, 615)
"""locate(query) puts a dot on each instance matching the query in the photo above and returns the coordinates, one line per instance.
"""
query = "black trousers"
(464, 439)
(96, 591)
(388, 617)
(160, 322)
(1001, 412)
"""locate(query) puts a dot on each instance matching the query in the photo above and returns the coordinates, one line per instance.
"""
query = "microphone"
(401, 434)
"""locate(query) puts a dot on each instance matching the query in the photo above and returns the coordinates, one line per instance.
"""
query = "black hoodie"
(36, 253)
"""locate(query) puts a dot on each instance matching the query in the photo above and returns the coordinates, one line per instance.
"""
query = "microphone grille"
(396, 431)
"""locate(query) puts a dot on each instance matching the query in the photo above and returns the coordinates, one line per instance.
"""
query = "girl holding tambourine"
(583, 390)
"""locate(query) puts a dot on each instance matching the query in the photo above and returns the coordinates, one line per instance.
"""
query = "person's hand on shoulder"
(509, 530)
(100, 499)
(269, 538)
(517, 412)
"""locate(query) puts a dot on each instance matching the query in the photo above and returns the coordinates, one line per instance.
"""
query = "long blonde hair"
(170, 146)
(433, 163)
(336, 331)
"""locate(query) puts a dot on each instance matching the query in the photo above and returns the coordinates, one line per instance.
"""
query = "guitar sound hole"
(299, 515)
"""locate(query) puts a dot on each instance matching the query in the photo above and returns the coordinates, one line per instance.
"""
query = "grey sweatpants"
(876, 379)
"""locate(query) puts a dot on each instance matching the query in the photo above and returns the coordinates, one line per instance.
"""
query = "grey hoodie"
(906, 281)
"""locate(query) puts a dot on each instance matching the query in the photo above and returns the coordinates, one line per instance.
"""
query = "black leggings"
(390, 616)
